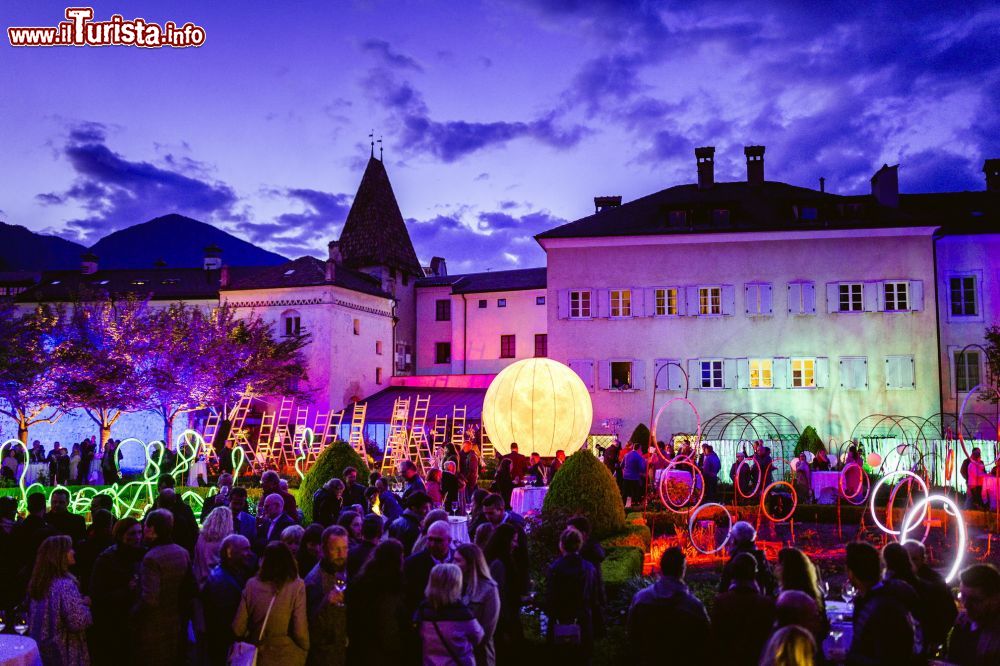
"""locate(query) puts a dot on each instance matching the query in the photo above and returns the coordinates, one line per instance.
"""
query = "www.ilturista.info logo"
(81, 30)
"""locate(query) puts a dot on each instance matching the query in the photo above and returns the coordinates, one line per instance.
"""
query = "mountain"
(23, 250)
(178, 240)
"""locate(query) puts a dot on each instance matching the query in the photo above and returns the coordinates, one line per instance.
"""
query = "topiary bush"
(332, 462)
(585, 486)
(808, 441)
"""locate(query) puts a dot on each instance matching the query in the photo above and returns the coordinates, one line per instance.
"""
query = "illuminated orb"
(948, 503)
(874, 460)
(539, 403)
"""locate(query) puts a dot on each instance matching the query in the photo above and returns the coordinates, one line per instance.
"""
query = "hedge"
(584, 485)
(331, 463)
(635, 536)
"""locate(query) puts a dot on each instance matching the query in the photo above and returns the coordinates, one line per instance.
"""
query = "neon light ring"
(697, 416)
(665, 493)
(953, 509)
(760, 477)
(861, 485)
(694, 514)
(795, 501)
(911, 478)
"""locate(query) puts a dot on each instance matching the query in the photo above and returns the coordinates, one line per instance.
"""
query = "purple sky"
(500, 119)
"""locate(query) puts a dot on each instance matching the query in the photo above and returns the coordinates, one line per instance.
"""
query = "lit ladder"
(485, 445)
(238, 419)
(458, 427)
(281, 454)
(395, 445)
(418, 448)
(357, 436)
(208, 436)
(265, 439)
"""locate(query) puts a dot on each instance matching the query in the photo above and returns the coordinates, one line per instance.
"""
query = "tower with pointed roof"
(375, 240)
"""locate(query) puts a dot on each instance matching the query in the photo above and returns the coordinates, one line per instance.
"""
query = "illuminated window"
(378, 375)
(621, 303)
(895, 296)
(507, 346)
(711, 374)
(967, 375)
(357, 327)
(621, 375)
(539, 300)
(962, 294)
(579, 304)
(803, 373)
(442, 352)
(442, 310)
(710, 300)
(851, 299)
(501, 302)
(665, 302)
(760, 373)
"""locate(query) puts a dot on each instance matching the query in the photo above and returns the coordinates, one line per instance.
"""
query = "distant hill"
(178, 240)
(23, 250)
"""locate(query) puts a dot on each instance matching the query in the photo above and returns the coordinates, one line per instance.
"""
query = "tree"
(26, 368)
(991, 383)
(99, 357)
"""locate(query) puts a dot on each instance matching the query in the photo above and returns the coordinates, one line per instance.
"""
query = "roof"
(471, 283)
(375, 233)
(770, 206)
(158, 284)
(19, 278)
(958, 213)
(302, 272)
(443, 400)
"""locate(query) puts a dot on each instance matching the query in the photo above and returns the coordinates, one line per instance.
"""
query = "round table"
(526, 499)
(18, 651)
(459, 526)
(824, 487)
(681, 475)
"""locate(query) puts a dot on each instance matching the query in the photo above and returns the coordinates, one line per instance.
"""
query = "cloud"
(393, 59)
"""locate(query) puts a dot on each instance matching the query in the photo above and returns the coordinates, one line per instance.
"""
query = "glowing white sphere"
(539, 403)
(874, 459)
(810, 456)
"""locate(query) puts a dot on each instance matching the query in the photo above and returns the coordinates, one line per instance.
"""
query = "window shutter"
(832, 296)
(891, 372)
(907, 378)
(916, 295)
(604, 375)
(729, 373)
(766, 300)
(675, 376)
(694, 373)
(681, 301)
(563, 309)
(795, 299)
(779, 373)
(603, 303)
(585, 369)
(872, 292)
(808, 298)
(692, 300)
(668, 377)
(743, 373)
(728, 299)
(639, 375)
(748, 296)
(649, 301)
(638, 302)
(864, 369)
(822, 372)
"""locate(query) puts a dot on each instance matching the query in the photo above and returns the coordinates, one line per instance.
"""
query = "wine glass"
(21, 622)
(826, 589)
(340, 583)
(849, 592)
(3, 622)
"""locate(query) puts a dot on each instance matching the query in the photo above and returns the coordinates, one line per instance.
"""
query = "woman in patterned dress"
(59, 615)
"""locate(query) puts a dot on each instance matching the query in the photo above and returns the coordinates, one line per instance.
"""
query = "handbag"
(245, 654)
(566, 634)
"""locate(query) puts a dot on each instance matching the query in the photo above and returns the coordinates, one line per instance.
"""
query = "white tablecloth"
(36, 472)
(841, 630)
(459, 529)
(990, 491)
(821, 482)
(18, 651)
(528, 498)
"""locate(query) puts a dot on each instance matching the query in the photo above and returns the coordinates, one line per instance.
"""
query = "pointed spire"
(371, 138)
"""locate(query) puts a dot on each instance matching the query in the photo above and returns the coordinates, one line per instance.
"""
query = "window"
(501, 302)
(962, 292)
(442, 309)
(710, 300)
(541, 345)
(854, 372)
(291, 324)
(966, 371)
(442, 352)
(677, 218)
(539, 300)
(378, 347)
(801, 298)
(482, 303)
(711, 374)
(761, 375)
(758, 299)
(806, 212)
(895, 296)
(665, 302)
(899, 373)
(378, 375)
(621, 375)
(621, 303)
(803, 373)
(507, 346)
(851, 299)
(357, 327)
(579, 304)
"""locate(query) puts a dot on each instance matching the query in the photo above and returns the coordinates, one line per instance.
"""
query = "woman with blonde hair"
(449, 630)
(217, 527)
(59, 615)
(481, 594)
(790, 646)
(291, 536)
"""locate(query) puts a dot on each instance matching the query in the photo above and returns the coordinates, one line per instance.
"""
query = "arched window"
(291, 323)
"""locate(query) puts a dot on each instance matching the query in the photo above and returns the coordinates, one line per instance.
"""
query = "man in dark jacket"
(469, 467)
(668, 603)
(883, 633)
(406, 528)
(417, 568)
(325, 601)
(975, 640)
(354, 493)
(271, 522)
(518, 463)
(572, 596)
(221, 594)
(742, 617)
(387, 501)
(61, 520)
(371, 533)
(414, 484)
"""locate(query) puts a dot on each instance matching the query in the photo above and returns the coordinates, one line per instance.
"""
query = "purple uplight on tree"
(26, 368)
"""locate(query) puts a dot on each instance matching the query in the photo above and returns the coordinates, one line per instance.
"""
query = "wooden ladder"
(418, 448)
(208, 436)
(282, 451)
(357, 437)
(331, 433)
(265, 439)
(238, 419)
(395, 446)
(485, 445)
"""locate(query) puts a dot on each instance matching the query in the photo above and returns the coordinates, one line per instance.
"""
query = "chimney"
(600, 203)
(706, 166)
(755, 164)
(335, 255)
(885, 186)
(439, 267)
(223, 277)
(160, 263)
(822, 184)
(992, 170)
(213, 257)
(88, 263)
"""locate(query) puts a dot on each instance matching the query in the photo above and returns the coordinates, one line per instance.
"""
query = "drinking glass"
(849, 592)
(826, 589)
(340, 583)
(21, 622)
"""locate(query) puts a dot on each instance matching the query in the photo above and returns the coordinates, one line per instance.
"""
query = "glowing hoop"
(760, 477)
(861, 485)
(665, 494)
(795, 501)
(878, 484)
(962, 537)
(697, 416)
(729, 529)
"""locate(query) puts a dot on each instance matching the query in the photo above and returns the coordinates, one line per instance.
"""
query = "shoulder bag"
(245, 654)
